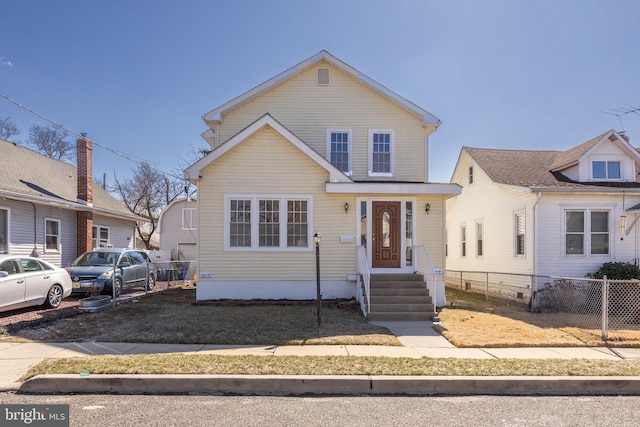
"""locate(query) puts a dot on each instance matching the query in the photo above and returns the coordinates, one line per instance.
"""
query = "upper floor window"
(188, 218)
(470, 174)
(606, 170)
(274, 222)
(52, 234)
(323, 76)
(339, 149)
(587, 232)
(381, 147)
(99, 237)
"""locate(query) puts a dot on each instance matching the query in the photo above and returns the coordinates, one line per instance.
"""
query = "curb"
(331, 385)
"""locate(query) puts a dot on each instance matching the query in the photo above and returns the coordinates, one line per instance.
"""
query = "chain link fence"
(611, 306)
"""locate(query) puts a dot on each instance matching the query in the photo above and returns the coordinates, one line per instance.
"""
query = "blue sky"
(137, 76)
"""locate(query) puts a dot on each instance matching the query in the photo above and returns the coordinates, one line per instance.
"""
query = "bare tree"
(51, 142)
(146, 194)
(8, 129)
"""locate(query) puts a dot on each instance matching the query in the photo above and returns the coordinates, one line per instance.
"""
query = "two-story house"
(320, 148)
(549, 213)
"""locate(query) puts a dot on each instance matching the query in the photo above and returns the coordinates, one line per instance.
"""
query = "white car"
(26, 281)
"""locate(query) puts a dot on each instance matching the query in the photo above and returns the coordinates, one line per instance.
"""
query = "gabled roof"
(542, 168)
(30, 176)
(336, 175)
(216, 114)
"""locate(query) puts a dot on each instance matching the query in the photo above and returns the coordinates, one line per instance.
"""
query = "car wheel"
(118, 285)
(151, 283)
(54, 297)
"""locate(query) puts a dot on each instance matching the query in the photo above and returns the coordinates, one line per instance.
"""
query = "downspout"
(535, 233)
(34, 252)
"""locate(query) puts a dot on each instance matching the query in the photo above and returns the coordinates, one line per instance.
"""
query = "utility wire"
(80, 135)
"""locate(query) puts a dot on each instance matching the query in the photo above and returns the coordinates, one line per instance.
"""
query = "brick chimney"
(85, 194)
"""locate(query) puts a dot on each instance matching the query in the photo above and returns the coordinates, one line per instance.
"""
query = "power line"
(81, 135)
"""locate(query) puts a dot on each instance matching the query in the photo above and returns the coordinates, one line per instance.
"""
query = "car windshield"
(96, 258)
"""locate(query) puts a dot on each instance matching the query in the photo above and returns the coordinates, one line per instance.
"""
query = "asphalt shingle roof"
(537, 168)
(25, 172)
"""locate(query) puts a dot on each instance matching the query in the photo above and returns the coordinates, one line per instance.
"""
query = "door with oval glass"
(386, 235)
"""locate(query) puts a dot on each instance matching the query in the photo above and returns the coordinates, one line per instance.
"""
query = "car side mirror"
(3, 274)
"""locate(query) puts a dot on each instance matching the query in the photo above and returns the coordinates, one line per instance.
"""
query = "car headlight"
(106, 275)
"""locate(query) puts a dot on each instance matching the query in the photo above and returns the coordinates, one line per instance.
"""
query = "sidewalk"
(419, 339)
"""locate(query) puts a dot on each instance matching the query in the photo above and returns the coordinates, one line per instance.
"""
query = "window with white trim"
(463, 241)
(339, 149)
(381, 156)
(606, 170)
(323, 76)
(4, 231)
(519, 231)
(99, 237)
(268, 222)
(188, 218)
(479, 239)
(51, 234)
(587, 232)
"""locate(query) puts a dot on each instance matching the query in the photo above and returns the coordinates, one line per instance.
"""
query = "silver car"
(26, 281)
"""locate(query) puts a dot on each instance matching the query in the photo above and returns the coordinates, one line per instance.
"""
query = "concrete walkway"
(419, 339)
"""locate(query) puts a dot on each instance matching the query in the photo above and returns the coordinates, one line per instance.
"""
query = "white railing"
(365, 274)
(425, 266)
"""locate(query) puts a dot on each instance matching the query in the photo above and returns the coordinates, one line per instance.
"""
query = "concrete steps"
(400, 297)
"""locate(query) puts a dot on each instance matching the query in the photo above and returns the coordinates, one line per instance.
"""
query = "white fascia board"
(393, 188)
(593, 190)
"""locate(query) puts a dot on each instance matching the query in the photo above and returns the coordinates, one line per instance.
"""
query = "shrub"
(617, 271)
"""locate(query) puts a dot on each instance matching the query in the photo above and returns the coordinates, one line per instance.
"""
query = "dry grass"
(330, 365)
(469, 321)
(171, 317)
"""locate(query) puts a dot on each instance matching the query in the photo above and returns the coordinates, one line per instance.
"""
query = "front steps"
(400, 297)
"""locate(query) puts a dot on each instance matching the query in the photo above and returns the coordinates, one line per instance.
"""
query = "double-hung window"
(339, 149)
(519, 233)
(268, 222)
(381, 152)
(4, 231)
(606, 170)
(188, 218)
(99, 237)
(587, 232)
(479, 239)
(52, 234)
(463, 241)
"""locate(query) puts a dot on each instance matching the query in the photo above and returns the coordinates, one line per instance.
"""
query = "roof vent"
(323, 76)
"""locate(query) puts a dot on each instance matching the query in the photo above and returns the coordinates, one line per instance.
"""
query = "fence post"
(605, 309)
(461, 283)
(486, 298)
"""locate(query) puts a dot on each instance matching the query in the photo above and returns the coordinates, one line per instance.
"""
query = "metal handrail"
(363, 270)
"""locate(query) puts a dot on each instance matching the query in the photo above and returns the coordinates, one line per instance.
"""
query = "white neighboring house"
(177, 228)
(320, 148)
(558, 213)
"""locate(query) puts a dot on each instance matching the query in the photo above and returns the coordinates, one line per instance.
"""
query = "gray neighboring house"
(177, 227)
(50, 209)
